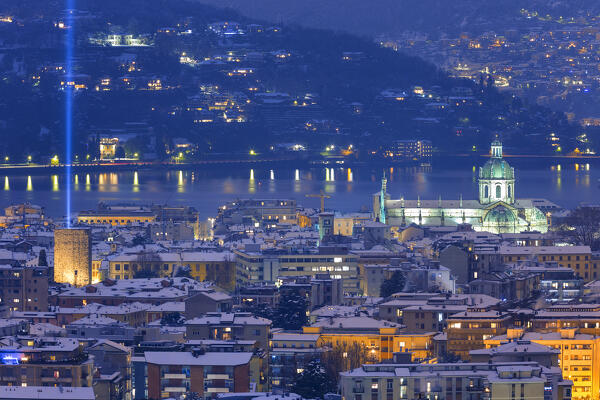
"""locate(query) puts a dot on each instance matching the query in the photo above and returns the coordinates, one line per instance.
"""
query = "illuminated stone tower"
(73, 256)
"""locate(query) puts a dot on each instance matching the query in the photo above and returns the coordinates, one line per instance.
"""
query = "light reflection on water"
(351, 188)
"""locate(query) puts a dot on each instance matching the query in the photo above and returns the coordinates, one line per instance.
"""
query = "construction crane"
(322, 196)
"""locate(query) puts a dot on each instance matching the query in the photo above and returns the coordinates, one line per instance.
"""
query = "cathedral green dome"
(496, 168)
(500, 215)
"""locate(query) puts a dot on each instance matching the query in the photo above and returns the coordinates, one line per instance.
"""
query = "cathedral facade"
(496, 210)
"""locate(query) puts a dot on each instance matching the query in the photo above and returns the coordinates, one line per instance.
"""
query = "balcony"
(217, 390)
(217, 376)
(175, 389)
(475, 388)
(174, 376)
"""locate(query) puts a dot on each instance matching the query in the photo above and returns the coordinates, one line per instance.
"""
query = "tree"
(291, 312)
(344, 357)
(262, 310)
(120, 152)
(393, 285)
(183, 272)
(145, 273)
(138, 240)
(314, 382)
(172, 319)
(583, 225)
(42, 259)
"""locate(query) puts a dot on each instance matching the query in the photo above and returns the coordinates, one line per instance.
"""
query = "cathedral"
(495, 211)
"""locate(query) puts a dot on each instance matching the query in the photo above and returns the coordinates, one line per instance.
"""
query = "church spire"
(382, 198)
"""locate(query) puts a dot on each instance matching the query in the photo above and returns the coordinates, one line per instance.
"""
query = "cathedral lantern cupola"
(496, 178)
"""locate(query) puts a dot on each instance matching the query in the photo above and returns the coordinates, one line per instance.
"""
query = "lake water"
(205, 188)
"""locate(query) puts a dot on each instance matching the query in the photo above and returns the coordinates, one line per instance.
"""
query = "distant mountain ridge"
(392, 17)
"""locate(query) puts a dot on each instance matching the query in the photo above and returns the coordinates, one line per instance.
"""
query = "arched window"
(486, 192)
(498, 191)
(509, 191)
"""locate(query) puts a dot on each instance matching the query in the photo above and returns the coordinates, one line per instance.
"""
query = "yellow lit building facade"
(213, 266)
(115, 218)
(579, 357)
(578, 258)
(380, 339)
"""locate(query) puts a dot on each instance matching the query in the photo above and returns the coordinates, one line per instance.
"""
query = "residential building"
(159, 375)
(99, 327)
(585, 317)
(259, 210)
(289, 354)
(558, 284)
(513, 286)
(429, 312)
(476, 381)
(378, 339)
(115, 292)
(113, 365)
(203, 301)
(578, 258)
(23, 288)
(44, 361)
(468, 330)
(46, 393)
(255, 265)
(228, 326)
(578, 355)
(116, 216)
(217, 267)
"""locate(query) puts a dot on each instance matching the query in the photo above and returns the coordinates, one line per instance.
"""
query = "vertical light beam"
(69, 88)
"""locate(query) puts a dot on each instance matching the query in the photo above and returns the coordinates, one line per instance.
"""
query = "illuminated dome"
(500, 215)
(496, 168)
(496, 178)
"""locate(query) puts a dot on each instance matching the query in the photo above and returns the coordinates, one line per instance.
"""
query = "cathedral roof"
(500, 215)
(496, 168)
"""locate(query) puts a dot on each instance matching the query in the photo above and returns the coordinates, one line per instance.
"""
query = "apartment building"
(44, 361)
(165, 374)
(468, 330)
(457, 381)
(578, 355)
